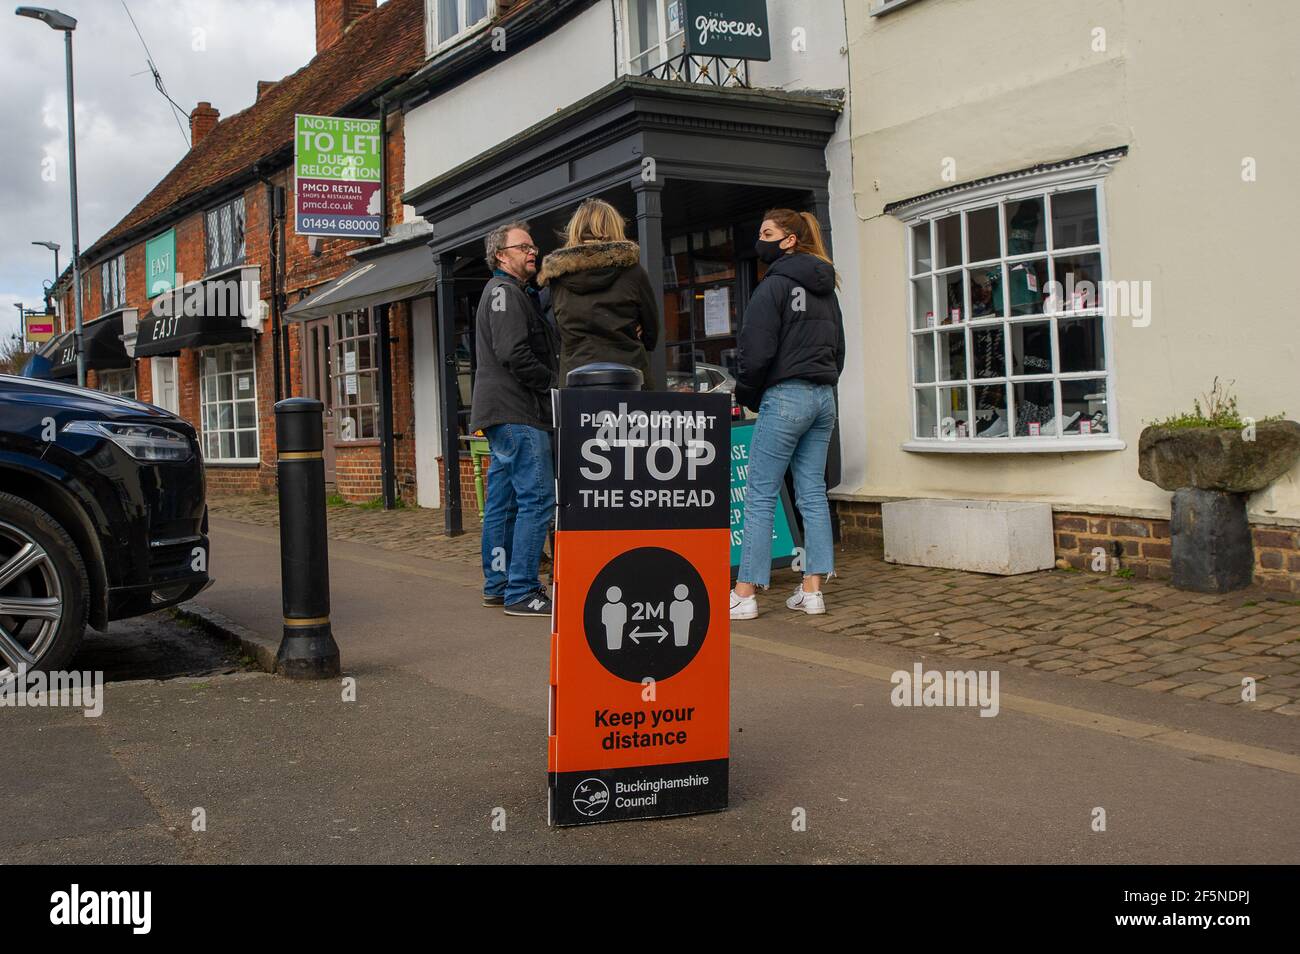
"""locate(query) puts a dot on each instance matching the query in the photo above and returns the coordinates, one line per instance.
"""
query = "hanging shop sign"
(38, 326)
(786, 540)
(735, 29)
(640, 649)
(337, 177)
(160, 263)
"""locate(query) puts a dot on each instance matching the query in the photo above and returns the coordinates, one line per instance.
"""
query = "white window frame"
(432, 45)
(112, 281)
(114, 375)
(204, 403)
(661, 48)
(1045, 183)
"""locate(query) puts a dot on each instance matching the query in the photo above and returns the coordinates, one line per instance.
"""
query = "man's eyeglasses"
(527, 248)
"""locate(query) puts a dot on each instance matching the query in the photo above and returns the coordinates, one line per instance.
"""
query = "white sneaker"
(814, 604)
(743, 607)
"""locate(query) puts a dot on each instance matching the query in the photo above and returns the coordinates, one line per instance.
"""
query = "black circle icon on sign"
(646, 614)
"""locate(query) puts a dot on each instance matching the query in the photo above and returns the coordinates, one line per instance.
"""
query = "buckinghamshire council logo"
(590, 797)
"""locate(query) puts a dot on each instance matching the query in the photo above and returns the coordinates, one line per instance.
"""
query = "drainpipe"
(387, 465)
(275, 296)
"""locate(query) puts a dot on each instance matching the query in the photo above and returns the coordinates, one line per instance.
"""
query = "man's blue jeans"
(517, 513)
(795, 421)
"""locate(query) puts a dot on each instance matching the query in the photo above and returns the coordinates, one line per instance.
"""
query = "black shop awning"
(394, 277)
(100, 339)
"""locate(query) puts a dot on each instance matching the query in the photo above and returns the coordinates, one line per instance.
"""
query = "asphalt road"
(449, 725)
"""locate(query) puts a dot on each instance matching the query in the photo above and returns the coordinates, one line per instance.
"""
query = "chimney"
(202, 121)
(333, 17)
(263, 86)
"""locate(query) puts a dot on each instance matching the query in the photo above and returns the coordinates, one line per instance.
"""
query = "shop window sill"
(1016, 445)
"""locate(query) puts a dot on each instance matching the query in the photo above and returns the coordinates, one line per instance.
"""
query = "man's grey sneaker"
(535, 604)
(490, 600)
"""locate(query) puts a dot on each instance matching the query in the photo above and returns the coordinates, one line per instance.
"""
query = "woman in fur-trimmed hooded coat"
(605, 306)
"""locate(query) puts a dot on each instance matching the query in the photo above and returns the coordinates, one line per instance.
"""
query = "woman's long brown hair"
(807, 233)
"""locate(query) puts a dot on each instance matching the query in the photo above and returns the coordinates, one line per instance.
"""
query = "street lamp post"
(61, 21)
(53, 247)
(22, 323)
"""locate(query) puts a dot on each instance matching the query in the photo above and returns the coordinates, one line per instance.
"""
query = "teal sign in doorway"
(785, 532)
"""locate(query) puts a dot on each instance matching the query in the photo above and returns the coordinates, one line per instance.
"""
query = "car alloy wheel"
(31, 600)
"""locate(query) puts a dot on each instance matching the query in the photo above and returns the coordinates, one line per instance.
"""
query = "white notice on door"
(717, 312)
(350, 383)
(349, 362)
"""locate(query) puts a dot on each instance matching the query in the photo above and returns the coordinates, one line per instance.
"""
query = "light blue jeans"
(518, 510)
(795, 421)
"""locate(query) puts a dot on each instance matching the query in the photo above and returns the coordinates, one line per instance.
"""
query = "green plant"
(1125, 572)
(1218, 410)
(336, 500)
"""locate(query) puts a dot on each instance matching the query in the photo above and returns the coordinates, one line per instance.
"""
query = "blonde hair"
(595, 221)
(807, 233)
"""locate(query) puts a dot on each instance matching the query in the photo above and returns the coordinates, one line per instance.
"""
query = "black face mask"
(768, 252)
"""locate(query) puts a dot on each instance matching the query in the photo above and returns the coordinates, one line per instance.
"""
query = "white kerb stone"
(983, 536)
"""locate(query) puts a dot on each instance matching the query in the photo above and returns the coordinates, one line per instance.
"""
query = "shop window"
(1007, 300)
(228, 404)
(355, 366)
(700, 309)
(654, 31)
(225, 235)
(446, 20)
(112, 284)
(121, 383)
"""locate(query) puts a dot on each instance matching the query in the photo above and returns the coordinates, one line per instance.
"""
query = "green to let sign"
(785, 538)
(335, 148)
(736, 29)
(160, 263)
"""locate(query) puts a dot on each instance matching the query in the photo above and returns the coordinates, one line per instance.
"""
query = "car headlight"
(141, 441)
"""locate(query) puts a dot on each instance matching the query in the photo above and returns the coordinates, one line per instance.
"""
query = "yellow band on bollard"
(318, 621)
(301, 455)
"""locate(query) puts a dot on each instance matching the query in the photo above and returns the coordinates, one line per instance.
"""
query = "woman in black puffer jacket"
(605, 306)
(791, 354)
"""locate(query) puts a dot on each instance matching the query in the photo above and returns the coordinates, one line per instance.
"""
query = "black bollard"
(604, 374)
(307, 649)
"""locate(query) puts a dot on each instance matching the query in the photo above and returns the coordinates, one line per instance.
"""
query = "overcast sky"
(127, 138)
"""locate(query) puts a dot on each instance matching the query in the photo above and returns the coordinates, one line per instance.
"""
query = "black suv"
(102, 516)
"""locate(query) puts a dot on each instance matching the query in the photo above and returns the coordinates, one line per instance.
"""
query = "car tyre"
(41, 574)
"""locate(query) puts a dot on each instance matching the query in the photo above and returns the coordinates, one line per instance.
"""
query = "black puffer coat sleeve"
(759, 340)
(649, 307)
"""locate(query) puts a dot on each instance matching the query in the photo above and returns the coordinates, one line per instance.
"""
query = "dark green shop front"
(692, 169)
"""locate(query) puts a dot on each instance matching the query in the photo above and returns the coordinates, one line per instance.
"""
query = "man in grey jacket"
(517, 359)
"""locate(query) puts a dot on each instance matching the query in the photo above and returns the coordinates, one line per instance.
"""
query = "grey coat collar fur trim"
(581, 258)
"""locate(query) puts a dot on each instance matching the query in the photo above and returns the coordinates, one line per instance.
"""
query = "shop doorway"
(318, 383)
(162, 372)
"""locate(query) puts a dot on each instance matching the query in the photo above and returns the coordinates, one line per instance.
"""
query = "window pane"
(982, 234)
(227, 444)
(1031, 348)
(241, 359)
(224, 388)
(1035, 409)
(448, 19)
(475, 11)
(989, 356)
(949, 241)
(1025, 232)
(991, 418)
(225, 415)
(369, 422)
(954, 298)
(643, 27)
(927, 419)
(923, 301)
(1082, 345)
(923, 348)
(245, 414)
(1080, 279)
(1028, 284)
(921, 260)
(985, 292)
(952, 355)
(677, 315)
(247, 444)
(954, 416)
(1074, 218)
(1084, 406)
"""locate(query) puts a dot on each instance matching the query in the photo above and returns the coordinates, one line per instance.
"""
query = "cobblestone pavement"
(1127, 632)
